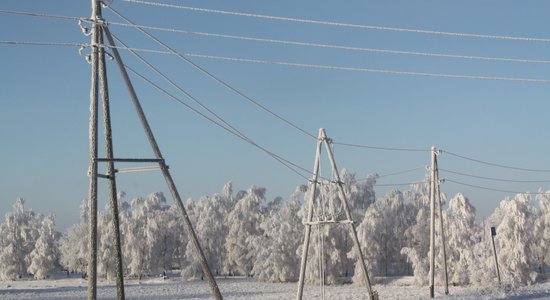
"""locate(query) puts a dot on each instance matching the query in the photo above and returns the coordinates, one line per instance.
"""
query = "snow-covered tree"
(417, 235)
(514, 220)
(18, 236)
(44, 258)
(211, 231)
(381, 234)
(283, 233)
(461, 238)
(73, 245)
(244, 224)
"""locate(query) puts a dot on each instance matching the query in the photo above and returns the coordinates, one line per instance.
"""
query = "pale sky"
(44, 96)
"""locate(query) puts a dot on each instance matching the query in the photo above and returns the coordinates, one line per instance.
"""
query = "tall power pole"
(323, 139)
(99, 84)
(92, 171)
(432, 223)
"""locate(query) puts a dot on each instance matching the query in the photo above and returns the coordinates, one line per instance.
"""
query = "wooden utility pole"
(323, 139)
(92, 170)
(164, 168)
(99, 78)
(441, 229)
(432, 223)
(493, 233)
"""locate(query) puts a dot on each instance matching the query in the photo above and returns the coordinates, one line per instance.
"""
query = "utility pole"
(92, 170)
(441, 229)
(432, 223)
(323, 139)
(99, 79)
(187, 226)
(99, 76)
(493, 233)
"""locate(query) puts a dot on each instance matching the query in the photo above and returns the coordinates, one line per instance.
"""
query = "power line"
(382, 148)
(495, 164)
(35, 43)
(339, 24)
(490, 189)
(401, 172)
(215, 78)
(312, 66)
(278, 158)
(399, 184)
(287, 42)
(494, 179)
(33, 14)
(331, 46)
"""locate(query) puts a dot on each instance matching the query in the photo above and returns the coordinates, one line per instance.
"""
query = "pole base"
(431, 291)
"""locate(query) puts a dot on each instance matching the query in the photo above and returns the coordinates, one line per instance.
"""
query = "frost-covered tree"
(44, 258)
(283, 233)
(381, 234)
(73, 246)
(244, 225)
(541, 249)
(18, 236)
(211, 231)
(514, 220)
(461, 238)
(417, 235)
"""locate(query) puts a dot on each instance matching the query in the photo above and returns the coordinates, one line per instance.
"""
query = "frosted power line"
(382, 148)
(494, 179)
(495, 164)
(36, 43)
(491, 189)
(313, 66)
(278, 158)
(331, 46)
(339, 24)
(33, 14)
(215, 78)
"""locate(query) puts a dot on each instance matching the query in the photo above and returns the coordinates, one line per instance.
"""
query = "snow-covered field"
(246, 288)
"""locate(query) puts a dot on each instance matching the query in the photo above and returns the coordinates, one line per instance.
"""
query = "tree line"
(245, 234)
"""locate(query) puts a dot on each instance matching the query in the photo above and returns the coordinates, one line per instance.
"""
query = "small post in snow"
(493, 233)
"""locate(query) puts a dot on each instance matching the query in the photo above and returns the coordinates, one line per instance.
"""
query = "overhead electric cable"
(495, 164)
(330, 46)
(368, 70)
(33, 14)
(313, 66)
(278, 158)
(220, 81)
(382, 148)
(36, 43)
(339, 24)
(399, 184)
(194, 99)
(494, 179)
(491, 189)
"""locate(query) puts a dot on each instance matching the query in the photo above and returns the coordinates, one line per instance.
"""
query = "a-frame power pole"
(99, 84)
(323, 139)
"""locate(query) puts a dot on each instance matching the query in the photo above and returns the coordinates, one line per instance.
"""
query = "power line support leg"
(111, 171)
(170, 182)
(360, 258)
(432, 223)
(92, 171)
(312, 191)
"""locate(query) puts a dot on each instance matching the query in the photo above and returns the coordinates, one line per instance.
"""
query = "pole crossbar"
(136, 160)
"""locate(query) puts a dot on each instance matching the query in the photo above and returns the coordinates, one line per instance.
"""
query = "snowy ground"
(245, 288)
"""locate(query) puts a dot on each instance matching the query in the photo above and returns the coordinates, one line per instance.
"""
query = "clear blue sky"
(44, 97)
